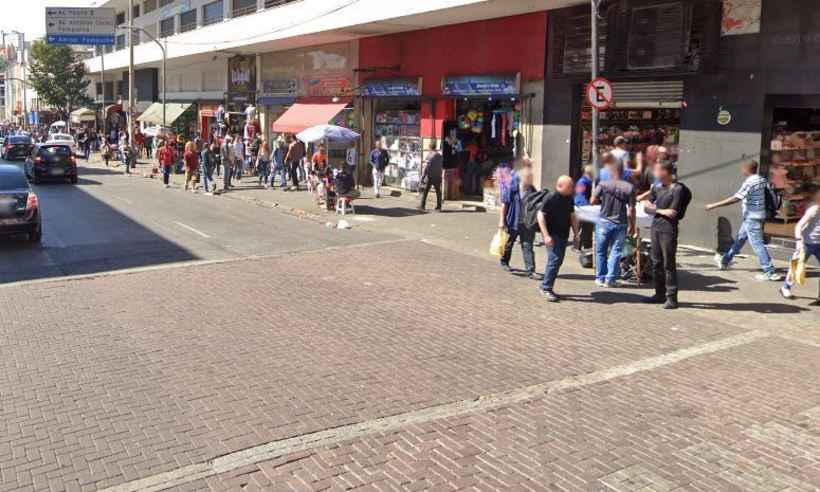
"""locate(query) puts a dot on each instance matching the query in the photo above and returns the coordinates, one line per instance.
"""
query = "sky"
(28, 16)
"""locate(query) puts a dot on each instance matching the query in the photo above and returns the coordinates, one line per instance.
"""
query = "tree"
(58, 76)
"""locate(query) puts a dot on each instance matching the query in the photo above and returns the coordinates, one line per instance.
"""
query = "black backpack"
(774, 200)
(532, 204)
(685, 200)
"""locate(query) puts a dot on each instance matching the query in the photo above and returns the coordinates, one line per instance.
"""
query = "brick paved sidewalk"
(128, 376)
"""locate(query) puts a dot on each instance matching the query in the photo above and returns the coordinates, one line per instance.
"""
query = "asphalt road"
(109, 221)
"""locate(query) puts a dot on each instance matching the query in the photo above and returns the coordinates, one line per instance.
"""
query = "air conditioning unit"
(657, 36)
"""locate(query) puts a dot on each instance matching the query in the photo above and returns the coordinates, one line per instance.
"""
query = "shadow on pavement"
(83, 235)
(387, 212)
(753, 307)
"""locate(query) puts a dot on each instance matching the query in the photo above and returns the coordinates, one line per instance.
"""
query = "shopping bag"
(797, 267)
(498, 243)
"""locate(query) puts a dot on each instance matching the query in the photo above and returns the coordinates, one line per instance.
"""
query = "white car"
(64, 139)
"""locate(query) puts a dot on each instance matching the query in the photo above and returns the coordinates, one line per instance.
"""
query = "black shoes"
(656, 299)
(671, 303)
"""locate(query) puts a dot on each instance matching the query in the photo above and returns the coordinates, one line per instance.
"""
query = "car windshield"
(56, 149)
(12, 180)
(19, 140)
(62, 138)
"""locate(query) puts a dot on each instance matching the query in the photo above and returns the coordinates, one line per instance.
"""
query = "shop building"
(715, 82)
(477, 85)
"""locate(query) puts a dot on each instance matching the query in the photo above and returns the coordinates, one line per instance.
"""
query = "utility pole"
(102, 85)
(22, 41)
(595, 115)
(130, 35)
(164, 49)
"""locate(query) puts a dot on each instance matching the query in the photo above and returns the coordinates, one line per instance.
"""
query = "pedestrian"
(227, 158)
(752, 195)
(352, 158)
(278, 165)
(239, 158)
(254, 145)
(105, 150)
(263, 163)
(617, 199)
(206, 163)
(293, 159)
(167, 157)
(583, 195)
(191, 159)
(666, 202)
(431, 176)
(379, 159)
(807, 233)
(556, 218)
(512, 219)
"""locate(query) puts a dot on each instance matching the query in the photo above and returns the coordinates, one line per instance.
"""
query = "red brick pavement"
(109, 380)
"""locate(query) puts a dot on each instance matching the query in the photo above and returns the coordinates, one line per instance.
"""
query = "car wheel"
(36, 236)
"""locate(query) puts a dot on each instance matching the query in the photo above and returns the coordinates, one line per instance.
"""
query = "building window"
(166, 27)
(187, 21)
(136, 11)
(121, 18)
(573, 46)
(149, 6)
(212, 13)
(276, 3)
(243, 7)
(120, 42)
(163, 3)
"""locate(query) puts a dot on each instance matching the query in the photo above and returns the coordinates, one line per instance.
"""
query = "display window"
(794, 163)
(486, 134)
(397, 122)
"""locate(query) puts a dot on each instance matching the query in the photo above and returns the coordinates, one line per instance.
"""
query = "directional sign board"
(79, 25)
(599, 93)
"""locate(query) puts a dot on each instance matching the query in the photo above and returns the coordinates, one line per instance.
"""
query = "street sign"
(80, 25)
(599, 93)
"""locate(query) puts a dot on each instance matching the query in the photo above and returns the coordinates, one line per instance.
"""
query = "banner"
(481, 85)
(242, 73)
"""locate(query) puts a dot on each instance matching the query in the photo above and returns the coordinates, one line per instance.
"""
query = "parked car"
(19, 206)
(17, 147)
(52, 161)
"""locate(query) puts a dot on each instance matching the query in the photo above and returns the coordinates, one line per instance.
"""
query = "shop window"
(149, 6)
(794, 163)
(212, 13)
(243, 7)
(166, 27)
(397, 124)
(187, 21)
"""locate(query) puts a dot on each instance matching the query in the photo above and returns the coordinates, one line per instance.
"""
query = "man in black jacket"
(431, 176)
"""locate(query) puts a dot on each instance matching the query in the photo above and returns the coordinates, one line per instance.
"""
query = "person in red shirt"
(167, 157)
(191, 157)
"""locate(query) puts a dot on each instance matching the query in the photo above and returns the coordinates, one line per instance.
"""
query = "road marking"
(328, 437)
(195, 231)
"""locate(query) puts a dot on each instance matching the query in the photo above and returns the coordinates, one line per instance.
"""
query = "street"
(160, 340)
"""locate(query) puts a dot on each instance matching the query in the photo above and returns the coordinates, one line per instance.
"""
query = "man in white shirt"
(752, 195)
(239, 157)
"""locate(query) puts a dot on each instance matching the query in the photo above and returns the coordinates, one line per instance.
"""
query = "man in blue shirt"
(512, 219)
(752, 195)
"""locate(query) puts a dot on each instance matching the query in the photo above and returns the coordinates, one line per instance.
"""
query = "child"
(807, 233)
(106, 152)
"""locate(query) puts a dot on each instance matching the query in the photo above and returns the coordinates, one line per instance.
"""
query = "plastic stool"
(343, 204)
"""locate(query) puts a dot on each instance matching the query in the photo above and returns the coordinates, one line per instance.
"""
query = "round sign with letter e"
(599, 93)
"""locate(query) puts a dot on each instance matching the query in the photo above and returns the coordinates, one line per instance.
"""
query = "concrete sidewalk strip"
(275, 449)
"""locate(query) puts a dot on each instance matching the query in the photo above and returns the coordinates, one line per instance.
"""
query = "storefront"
(208, 119)
(240, 100)
(181, 118)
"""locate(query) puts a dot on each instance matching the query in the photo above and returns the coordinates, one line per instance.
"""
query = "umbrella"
(329, 133)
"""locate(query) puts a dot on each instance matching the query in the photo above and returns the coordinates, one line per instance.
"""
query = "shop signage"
(242, 73)
(80, 25)
(408, 87)
(724, 117)
(328, 84)
(278, 91)
(482, 85)
(599, 93)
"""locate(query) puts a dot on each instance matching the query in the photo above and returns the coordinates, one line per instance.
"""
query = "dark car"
(52, 161)
(19, 207)
(17, 147)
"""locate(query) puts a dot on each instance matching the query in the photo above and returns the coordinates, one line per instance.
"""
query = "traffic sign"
(80, 25)
(599, 93)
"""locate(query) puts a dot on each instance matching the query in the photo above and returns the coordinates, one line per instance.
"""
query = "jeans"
(526, 237)
(809, 250)
(206, 179)
(262, 171)
(664, 262)
(609, 245)
(166, 174)
(278, 169)
(228, 171)
(378, 178)
(751, 230)
(429, 183)
(555, 258)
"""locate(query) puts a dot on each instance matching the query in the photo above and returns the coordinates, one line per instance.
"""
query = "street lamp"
(163, 49)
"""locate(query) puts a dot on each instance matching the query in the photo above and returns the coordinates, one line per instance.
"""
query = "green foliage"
(58, 76)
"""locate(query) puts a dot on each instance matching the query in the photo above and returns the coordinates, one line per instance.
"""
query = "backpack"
(685, 200)
(774, 200)
(532, 204)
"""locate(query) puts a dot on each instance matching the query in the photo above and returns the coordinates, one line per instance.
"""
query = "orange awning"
(302, 116)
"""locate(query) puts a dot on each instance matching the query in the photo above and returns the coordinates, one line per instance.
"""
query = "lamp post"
(163, 49)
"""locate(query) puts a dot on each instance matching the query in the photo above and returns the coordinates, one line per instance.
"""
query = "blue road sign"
(92, 39)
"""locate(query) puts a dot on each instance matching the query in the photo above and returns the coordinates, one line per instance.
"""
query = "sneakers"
(549, 295)
(769, 277)
(671, 303)
(786, 293)
(600, 283)
(505, 267)
(611, 284)
(719, 262)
